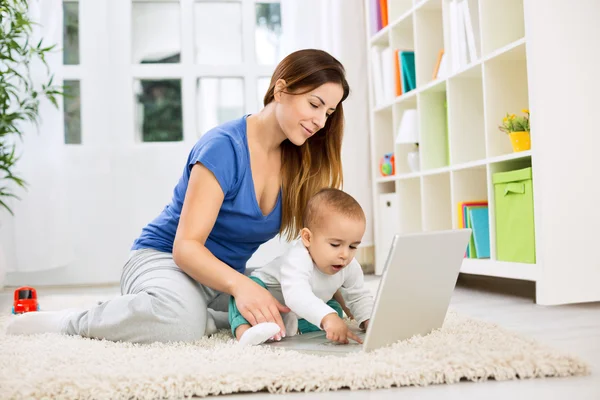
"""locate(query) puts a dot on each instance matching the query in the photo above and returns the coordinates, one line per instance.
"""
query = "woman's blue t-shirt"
(240, 227)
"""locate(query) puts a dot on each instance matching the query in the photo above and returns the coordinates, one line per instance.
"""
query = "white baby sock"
(259, 333)
(35, 322)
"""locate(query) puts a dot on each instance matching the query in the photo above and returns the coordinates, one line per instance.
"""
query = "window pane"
(158, 110)
(219, 100)
(71, 33)
(156, 36)
(262, 86)
(218, 32)
(72, 112)
(268, 33)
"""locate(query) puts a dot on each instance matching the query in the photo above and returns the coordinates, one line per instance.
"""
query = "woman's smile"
(308, 132)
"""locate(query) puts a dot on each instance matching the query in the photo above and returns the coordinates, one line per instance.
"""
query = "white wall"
(114, 185)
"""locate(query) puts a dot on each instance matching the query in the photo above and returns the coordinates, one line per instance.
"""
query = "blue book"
(407, 61)
(480, 222)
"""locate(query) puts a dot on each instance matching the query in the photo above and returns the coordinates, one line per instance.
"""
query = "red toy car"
(25, 300)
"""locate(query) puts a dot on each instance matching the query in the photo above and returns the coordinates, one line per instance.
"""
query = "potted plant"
(20, 95)
(518, 129)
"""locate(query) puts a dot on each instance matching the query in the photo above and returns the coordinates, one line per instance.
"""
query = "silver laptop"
(414, 293)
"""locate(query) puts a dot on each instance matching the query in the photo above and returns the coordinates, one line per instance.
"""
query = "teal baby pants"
(236, 319)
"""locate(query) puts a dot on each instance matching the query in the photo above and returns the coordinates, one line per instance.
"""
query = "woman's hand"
(257, 305)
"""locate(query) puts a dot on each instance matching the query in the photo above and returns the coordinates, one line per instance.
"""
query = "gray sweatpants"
(158, 303)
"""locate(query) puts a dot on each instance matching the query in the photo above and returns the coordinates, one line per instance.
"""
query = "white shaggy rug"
(55, 366)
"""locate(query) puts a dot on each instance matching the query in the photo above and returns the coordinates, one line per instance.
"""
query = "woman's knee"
(176, 322)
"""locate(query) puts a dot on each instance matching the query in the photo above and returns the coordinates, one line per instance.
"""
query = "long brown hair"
(317, 163)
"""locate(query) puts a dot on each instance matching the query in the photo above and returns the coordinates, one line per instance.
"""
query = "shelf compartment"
(429, 40)
(381, 38)
(383, 136)
(494, 167)
(462, 49)
(500, 269)
(505, 91)
(409, 207)
(386, 187)
(511, 162)
(428, 4)
(465, 117)
(433, 128)
(387, 211)
(502, 22)
(437, 203)
(402, 34)
(398, 9)
(470, 184)
(401, 150)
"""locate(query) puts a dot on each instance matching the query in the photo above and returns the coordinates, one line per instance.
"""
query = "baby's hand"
(337, 296)
(365, 325)
(337, 330)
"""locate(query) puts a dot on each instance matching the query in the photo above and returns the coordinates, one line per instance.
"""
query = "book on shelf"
(474, 215)
(387, 71)
(393, 73)
(464, 32)
(440, 71)
(378, 84)
(471, 24)
(480, 223)
(383, 5)
(407, 71)
(378, 10)
(397, 78)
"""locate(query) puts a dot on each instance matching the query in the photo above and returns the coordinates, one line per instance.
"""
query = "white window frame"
(106, 71)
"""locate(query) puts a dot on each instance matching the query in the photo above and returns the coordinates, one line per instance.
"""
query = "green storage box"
(515, 231)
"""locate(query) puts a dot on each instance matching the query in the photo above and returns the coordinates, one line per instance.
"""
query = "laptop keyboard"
(352, 343)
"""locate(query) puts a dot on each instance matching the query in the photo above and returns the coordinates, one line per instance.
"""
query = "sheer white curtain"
(338, 27)
(41, 216)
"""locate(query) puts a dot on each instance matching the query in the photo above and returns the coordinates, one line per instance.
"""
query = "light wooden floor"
(574, 329)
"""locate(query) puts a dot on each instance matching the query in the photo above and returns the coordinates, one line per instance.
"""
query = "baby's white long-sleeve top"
(306, 289)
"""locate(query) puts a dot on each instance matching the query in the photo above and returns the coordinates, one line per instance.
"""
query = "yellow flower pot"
(521, 141)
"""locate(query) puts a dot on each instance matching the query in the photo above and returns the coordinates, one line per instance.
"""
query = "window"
(268, 33)
(71, 33)
(262, 85)
(155, 35)
(219, 100)
(193, 64)
(72, 112)
(197, 64)
(158, 110)
(71, 85)
(218, 32)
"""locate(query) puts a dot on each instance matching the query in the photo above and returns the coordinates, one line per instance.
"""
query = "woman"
(244, 182)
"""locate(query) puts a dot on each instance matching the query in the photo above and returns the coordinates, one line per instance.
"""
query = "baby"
(308, 275)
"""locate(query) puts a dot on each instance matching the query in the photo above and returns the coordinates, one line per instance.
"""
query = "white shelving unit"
(461, 147)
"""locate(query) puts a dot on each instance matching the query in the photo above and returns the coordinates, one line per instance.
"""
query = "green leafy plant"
(514, 123)
(19, 95)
